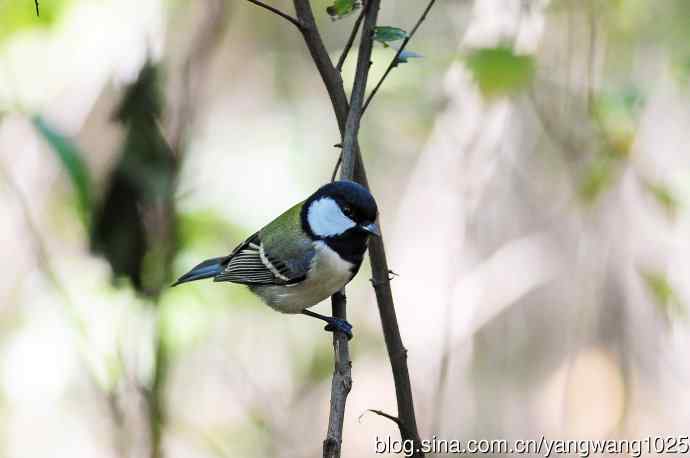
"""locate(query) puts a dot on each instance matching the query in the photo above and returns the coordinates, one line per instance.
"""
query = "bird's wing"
(276, 255)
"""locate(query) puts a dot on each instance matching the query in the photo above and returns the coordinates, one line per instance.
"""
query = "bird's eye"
(347, 210)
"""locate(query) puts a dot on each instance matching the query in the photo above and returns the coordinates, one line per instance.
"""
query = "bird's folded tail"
(207, 269)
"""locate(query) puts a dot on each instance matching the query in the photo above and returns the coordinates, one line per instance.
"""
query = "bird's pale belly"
(329, 273)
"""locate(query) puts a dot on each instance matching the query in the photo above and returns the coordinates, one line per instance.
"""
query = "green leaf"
(385, 34)
(71, 159)
(499, 71)
(341, 8)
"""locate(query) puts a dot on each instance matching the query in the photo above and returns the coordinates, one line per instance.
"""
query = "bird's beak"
(372, 228)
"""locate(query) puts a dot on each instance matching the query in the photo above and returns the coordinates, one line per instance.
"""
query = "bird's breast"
(327, 274)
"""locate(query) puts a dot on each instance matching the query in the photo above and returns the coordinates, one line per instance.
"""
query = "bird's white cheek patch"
(326, 219)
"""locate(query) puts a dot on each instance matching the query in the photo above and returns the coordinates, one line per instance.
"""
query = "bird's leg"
(333, 323)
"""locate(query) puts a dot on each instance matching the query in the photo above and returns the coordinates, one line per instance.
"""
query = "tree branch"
(273, 10)
(396, 351)
(366, 44)
(394, 63)
(350, 40)
(342, 380)
(340, 384)
(392, 418)
(337, 167)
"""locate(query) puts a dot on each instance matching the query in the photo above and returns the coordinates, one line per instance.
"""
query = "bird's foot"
(338, 324)
(334, 324)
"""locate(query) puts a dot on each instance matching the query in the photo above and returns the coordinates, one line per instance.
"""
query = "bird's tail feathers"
(207, 269)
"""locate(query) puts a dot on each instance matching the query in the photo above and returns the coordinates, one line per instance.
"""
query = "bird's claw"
(338, 324)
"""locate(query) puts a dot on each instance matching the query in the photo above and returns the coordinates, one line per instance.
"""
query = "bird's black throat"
(350, 246)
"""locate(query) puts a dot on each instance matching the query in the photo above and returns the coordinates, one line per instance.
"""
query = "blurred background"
(533, 175)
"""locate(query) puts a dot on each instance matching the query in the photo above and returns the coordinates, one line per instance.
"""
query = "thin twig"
(337, 167)
(338, 162)
(274, 10)
(350, 40)
(392, 418)
(366, 44)
(394, 63)
(397, 353)
(38, 12)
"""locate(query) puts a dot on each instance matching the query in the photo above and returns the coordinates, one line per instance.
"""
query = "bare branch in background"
(38, 11)
(194, 68)
(377, 255)
(350, 40)
(273, 10)
(394, 63)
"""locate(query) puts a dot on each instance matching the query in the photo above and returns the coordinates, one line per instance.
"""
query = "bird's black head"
(343, 214)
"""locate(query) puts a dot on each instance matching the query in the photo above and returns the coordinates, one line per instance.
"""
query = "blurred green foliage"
(187, 314)
(664, 295)
(499, 71)
(71, 159)
(598, 177)
(319, 366)
(16, 15)
(617, 114)
(186, 319)
(664, 197)
(206, 231)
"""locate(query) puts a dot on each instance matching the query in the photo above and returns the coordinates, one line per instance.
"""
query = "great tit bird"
(305, 255)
